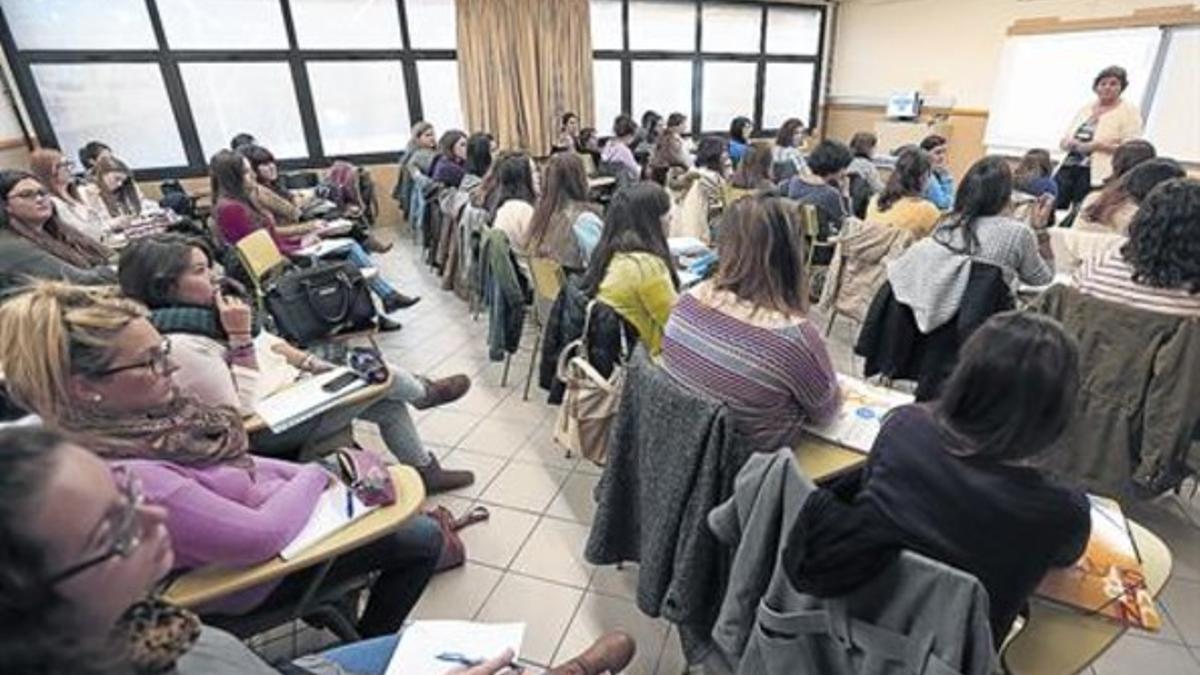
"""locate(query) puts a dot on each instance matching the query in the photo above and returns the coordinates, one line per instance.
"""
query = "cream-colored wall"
(944, 48)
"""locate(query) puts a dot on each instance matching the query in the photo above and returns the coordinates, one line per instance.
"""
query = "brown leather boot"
(437, 479)
(611, 653)
(442, 391)
(373, 245)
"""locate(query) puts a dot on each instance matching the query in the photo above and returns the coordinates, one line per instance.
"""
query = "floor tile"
(458, 593)
(1132, 655)
(575, 501)
(446, 427)
(456, 503)
(1182, 598)
(540, 448)
(486, 469)
(599, 614)
(498, 437)
(532, 411)
(621, 583)
(545, 607)
(555, 552)
(671, 661)
(525, 486)
(480, 399)
(497, 540)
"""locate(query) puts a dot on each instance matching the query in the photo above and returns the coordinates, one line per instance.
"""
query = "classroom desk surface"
(212, 582)
(1058, 640)
(820, 459)
(601, 181)
(253, 423)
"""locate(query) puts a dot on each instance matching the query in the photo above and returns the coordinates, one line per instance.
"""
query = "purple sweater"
(774, 380)
(223, 514)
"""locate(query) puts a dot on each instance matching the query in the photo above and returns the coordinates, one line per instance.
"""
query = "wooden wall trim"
(952, 112)
(1174, 15)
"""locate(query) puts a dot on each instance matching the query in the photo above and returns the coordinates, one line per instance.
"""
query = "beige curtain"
(521, 65)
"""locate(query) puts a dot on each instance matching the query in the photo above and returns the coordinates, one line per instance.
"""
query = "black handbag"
(309, 304)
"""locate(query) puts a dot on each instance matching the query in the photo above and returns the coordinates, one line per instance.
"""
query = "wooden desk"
(253, 423)
(1058, 640)
(212, 582)
(820, 459)
(601, 182)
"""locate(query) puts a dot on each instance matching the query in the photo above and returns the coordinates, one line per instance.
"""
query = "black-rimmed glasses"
(157, 363)
(126, 530)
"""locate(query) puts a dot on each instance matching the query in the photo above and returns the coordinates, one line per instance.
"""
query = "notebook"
(332, 513)
(337, 226)
(304, 399)
(1108, 580)
(422, 642)
(325, 247)
(863, 407)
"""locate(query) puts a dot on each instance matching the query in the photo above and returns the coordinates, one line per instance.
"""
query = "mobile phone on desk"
(339, 383)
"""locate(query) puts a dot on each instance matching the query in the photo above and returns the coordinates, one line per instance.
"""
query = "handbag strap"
(622, 349)
(344, 311)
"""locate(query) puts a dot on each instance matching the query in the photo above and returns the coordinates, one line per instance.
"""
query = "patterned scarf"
(155, 634)
(64, 242)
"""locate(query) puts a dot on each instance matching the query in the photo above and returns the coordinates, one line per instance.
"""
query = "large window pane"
(346, 24)
(606, 81)
(441, 102)
(728, 93)
(731, 28)
(217, 91)
(223, 24)
(78, 24)
(662, 26)
(360, 105)
(123, 104)
(606, 24)
(431, 24)
(793, 31)
(662, 86)
(787, 93)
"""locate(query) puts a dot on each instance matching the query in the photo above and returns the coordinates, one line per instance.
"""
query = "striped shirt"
(773, 379)
(1110, 277)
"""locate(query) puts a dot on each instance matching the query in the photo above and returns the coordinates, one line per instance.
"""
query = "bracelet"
(236, 352)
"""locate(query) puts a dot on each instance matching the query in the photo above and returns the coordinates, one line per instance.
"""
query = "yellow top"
(638, 286)
(914, 214)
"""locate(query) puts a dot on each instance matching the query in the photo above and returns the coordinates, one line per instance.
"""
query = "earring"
(96, 398)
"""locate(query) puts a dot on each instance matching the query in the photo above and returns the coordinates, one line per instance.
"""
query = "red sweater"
(236, 220)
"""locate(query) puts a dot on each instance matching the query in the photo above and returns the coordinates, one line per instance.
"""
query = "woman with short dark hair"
(824, 186)
(744, 336)
(568, 133)
(902, 203)
(739, 138)
(787, 158)
(1094, 134)
(951, 478)
(862, 146)
(449, 166)
(617, 153)
(940, 188)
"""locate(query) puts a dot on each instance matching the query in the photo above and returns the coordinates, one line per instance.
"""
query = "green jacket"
(1137, 416)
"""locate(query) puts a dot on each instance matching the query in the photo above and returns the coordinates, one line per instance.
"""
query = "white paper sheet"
(686, 246)
(329, 516)
(288, 407)
(863, 407)
(422, 642)
(325, 247)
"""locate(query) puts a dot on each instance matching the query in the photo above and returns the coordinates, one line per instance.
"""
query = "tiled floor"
(526, 563)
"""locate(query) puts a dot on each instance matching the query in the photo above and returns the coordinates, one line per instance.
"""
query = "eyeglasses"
(126, 529)
(30, 194)
(157, 363)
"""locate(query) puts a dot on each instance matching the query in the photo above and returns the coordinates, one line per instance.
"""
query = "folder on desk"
(303, 400)
(1108, 579)
(863, 407)
(325, 247)
(423, 642)
(336, 508)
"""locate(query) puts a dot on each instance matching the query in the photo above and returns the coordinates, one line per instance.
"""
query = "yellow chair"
(548, 279)
(810, 225)
(730, 194)
(260, 257)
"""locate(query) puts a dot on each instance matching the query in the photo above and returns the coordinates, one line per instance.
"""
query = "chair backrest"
(547, 278)
(589, 165)
(731, 194)
(259, 254)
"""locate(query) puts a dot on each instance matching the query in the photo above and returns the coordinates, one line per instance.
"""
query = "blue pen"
(455, 657)
(349, 504)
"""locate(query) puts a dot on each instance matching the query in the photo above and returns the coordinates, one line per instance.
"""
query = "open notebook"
(422, 642)
(1108, 580)
(325, 247)
(863, 407)
(304, 399)
(336, 508)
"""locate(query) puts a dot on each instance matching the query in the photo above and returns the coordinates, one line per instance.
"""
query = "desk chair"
(548, 280)
(333, 607)
(820, 253)
(589, 165)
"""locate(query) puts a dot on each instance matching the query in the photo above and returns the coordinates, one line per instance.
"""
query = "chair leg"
(334, 619)
(832, 318)
(504, 375)
(533, 360)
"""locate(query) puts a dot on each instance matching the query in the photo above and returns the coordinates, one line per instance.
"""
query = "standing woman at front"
(1098, 128)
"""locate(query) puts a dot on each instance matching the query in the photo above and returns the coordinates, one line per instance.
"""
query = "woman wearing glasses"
(91, 365)
(72, 201)
(35, 243)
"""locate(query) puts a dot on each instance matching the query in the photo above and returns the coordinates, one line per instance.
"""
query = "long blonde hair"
(54, 330)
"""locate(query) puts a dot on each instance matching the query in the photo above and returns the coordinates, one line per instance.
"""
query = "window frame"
(698, 57)
(21, 63)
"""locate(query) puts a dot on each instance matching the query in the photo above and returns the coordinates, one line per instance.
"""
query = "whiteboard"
(1174, 122)
(1044, 80)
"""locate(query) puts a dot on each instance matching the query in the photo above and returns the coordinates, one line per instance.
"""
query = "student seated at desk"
(479, 160)
(1034, 175)
(669, 150)
(951, 479)
(631, 270)
(824, 186)
(84, 553)
(89, 154)
(565, 226)
(754, 171)
(862, 146)
(219, 360)
(739, 138)
(35, 243)
(238, 213)
(1113, 207)
(709, 175)
(514, 197)
(940, 189)
(744, 338)
(902, 202)
(787, 157)
(617, 153)
(449, 166)
(91, 365)
(114, 190)
(73, 202)
(1158, 269)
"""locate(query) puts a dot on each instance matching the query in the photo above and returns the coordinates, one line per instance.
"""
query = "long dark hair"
(1012, 392)
(1134, 186)
(710, 154)
(907, 179)
(226, 172)
(738, 127)
(754, 169)
(565, 182)
(257, 155)
(762, 255)
(633, 223)
(149, 268)
(447, 142)
(1129, 154)
(125, 198)
(786, 137)
(984, 191)
(479, 154)
(514, 179)
(1164, 237)
(650, 122)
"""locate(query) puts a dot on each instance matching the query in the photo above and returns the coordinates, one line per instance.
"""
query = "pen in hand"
(349, 504)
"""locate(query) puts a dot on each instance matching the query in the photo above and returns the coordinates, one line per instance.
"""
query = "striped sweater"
(1110, 277)
(774, 380)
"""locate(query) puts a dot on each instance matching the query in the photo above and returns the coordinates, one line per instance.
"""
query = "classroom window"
(125, 104)
(606, 80)
(787, 92)
(360, 105)
(793, 31)
(79, 24)
(728, 93)
(217, 94)
(440, 102)
(731, 28)
(664, 86)
(223, 24)
(606, 25)
(346, 24)
(431, 24)
(660, 25)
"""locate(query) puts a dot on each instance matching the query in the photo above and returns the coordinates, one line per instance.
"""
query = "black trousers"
(1074, 183)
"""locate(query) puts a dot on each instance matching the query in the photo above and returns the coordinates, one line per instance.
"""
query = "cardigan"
(1109, 277)
(235, 220)
(1122, 123)
(513, 219)
(638, 286)
(616, 152)
(21, 259)
(448, 170)
(913, 214)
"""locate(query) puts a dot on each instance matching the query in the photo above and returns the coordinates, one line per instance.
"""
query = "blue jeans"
(365, 657)
(360, 258)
